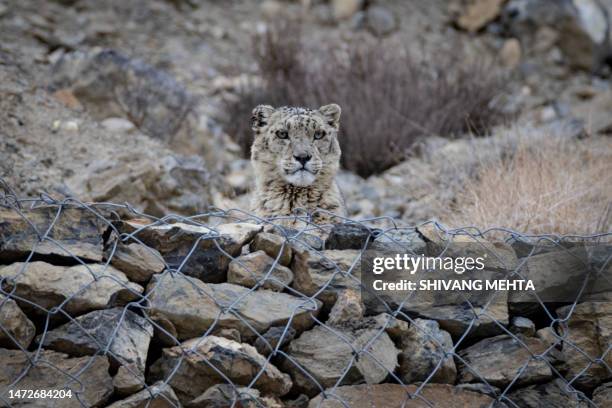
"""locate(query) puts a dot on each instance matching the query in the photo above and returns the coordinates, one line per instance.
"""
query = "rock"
(549, 337)
(16, 330)
(83, 287)
(208, 261)
(332, 270)
(479, 13)
(499, 360)
(510, 53)
(556, 393)
(489, 390)
(188, 368)
(227, 396)
(120, 125)
(110, 84)
(595, 113)
(380, 20)
(395, 328)
(328, 356)
(251, 269)
(586, 339)
(522, 325)
(602, 396)
(137, 261)
(128, 380)
(271, 338)
(77, 232)
(189, 307)
(167, 183)
(158, 395)
(272, 244)
(123, 333)
(348, 236)
(48, 370)
(582, 27)
(422, 348)
(348, 307)
(346, 8)
(396, 395)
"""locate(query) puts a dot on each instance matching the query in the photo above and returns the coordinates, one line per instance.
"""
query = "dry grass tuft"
(389, 98)
(551, 185)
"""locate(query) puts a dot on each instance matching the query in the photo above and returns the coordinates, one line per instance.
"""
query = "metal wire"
(380, 228)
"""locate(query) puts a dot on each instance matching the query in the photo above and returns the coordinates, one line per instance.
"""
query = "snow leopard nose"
(302, 158)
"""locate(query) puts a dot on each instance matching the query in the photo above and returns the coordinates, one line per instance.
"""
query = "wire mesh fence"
(103, 305)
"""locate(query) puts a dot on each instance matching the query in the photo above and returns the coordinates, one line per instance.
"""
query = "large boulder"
(340, 353)
(123, 333)
(200, 363)
(187, 307)
(158, 395)
(423, 347)
(48, 370)
(504, 359)
(201, 252)
(16, 330)
(78, 289)
(396, 396)
(72, 232)
(587, 337)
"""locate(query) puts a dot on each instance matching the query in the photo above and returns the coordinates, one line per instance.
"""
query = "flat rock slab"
(56, 371)
(499, 360)
(16, 330)
(552, 394)
(328, 356)
(197, 364)
(587, 339)
(158, 395)
(88, 287)
(187, 307)
(209, 250)
(78, 231)
(399, 396)
(226, 395)
(125, 334)
(137, 261)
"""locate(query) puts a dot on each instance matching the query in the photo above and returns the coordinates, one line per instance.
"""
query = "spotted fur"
(296, 155)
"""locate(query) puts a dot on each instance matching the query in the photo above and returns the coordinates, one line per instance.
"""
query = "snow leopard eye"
(319, 134)
(282, 134)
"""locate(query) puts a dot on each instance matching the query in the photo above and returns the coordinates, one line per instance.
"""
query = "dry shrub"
(389, 98)
(547, 186)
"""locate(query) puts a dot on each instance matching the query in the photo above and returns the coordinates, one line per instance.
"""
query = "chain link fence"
(118, 308)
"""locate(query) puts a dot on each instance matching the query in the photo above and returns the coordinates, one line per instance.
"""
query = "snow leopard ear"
(332, 114)
(260, 116)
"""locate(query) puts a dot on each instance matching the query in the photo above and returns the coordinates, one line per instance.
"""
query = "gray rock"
(602, 396)
(110, 84)
(499, 360)
(556, 393)
(522, 325)
(83, 288)
(49, 370)
(125, 334)
(380, 20)
(489, 390)
(201, 360)
(137, 261)
(228, 396)
(396, 395)
(422, 348)
(348, 236)
(327, 356)
(158, 395)
(208, 261)
(251, 269)
(589, 331)
(16, 330)
(272, 337)
(272, 244)
(348, 307)
(77, 232)
(187, 307)
(346, 8)
(128, 380)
